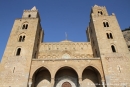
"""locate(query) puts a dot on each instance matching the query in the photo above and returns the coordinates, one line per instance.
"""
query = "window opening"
(23, 26)
(113, 48)
(107, 24)
(23, 38)
(26, 26)
(20, 38)
(100, 12)
(107, 35)
(18, 52)
(104, 24)
(29, 15)
(111, 36)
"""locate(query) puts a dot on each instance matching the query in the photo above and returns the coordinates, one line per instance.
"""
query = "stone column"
(52, 82)
(30, 82)
(80, 82)
(103, 83)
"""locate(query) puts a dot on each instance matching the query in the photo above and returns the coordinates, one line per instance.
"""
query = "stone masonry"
(103, 61)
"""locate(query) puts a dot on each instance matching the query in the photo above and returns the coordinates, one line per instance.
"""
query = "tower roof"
(34, 8)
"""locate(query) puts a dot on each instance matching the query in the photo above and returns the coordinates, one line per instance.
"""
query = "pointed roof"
(34, 8)
(95, 5)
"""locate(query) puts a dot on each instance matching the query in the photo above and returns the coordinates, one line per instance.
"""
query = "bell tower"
(108, 43)
(21, 48)
(105, 33)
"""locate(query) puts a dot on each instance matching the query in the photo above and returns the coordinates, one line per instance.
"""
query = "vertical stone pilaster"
(103, 83)
(52, 82)
(80, 82)
(30, 82)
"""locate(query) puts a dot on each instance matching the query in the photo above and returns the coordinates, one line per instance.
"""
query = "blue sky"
(60, 16)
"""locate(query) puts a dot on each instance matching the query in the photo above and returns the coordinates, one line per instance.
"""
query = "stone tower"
(108, 43)
(103, 61)
(22, 46)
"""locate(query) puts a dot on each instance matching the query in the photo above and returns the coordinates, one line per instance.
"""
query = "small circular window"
(29, 15)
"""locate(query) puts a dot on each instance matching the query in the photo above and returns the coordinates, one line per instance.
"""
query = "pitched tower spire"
(34, 8)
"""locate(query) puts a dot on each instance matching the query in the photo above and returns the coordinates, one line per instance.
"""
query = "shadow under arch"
(91, 77)
(66, 74)
(41, 77)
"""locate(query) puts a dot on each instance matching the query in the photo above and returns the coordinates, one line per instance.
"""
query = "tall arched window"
(20, 38)
(18, 52)
(25, 26)
(105, 24)
(107, 35)
(111, 36)
(23, 38)
(113, 48)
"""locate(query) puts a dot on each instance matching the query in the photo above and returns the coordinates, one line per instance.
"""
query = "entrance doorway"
(66, 84)
(66, 77)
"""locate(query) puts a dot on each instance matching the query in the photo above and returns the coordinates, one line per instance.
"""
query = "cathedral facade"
(103, 61)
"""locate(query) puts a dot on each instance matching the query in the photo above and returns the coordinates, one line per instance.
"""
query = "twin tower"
(103, 61)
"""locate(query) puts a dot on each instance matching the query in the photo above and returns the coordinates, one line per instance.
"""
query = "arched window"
(111, 36)
(100, 13)
(29, 15)
(113, 48)
(20, 38)
(25, 26)
(107, 35)
(23, 38)
(18, 52)
(105, 24)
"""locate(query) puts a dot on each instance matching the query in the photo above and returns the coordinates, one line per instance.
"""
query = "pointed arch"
(91, 75)
(66, 73)
(40, 76)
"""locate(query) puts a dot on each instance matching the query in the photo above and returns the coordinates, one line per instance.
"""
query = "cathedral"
(103, 61)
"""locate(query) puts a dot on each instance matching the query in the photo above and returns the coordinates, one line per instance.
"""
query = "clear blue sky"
(60, 16)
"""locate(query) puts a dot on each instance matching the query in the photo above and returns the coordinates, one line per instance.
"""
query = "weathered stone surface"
(103, 60)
